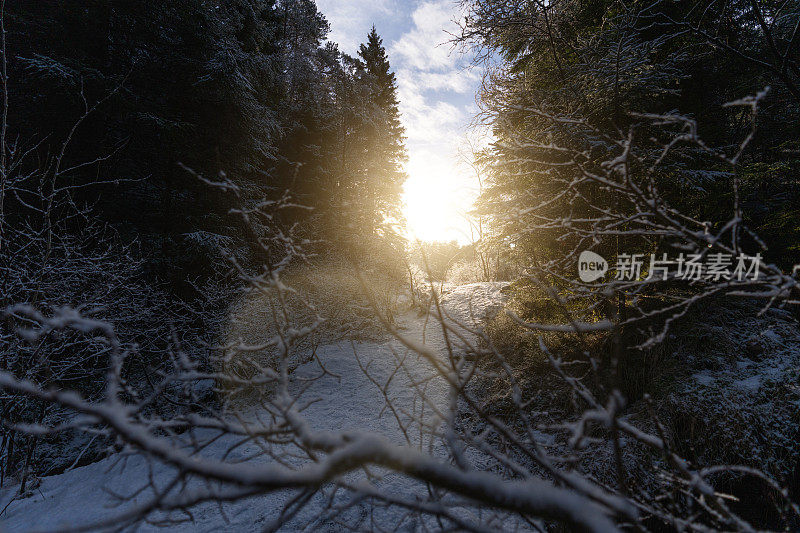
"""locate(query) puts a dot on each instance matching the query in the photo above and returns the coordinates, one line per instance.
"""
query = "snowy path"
(349, 400)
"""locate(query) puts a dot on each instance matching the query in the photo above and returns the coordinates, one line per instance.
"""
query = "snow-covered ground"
(343, 398)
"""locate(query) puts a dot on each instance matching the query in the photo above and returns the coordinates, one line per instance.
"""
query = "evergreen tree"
(225, 87)
(386, 149)
(590, 68)
(354, 174)
(376, 64)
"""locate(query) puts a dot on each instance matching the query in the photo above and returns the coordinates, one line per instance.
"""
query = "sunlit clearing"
(437, 198)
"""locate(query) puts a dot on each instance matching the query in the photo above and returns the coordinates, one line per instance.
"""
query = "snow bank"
(473, 303)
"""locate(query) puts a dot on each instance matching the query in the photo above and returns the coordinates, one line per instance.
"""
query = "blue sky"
(436, 90)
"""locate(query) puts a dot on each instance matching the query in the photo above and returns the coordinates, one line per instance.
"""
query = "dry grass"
(329, 290)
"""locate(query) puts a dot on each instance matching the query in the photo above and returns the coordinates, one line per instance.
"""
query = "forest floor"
(343, 397)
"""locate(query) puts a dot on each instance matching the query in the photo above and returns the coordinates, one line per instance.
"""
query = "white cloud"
(426, 64)
(425, 46)
(351, 20)
(454, 80)
(426, 121)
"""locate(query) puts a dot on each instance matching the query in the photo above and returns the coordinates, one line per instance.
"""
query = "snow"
(346, 399)
(746, 395)
(751, 384)
(770, 335)
(704, 378)
(778, 362)
(474, 302)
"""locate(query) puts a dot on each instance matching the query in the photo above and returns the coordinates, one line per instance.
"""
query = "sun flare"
(436, 201)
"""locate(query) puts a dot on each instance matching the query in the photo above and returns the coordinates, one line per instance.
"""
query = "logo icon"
(591, 266)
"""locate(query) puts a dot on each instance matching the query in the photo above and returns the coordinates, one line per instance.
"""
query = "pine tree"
(376, 63)
(386, 148)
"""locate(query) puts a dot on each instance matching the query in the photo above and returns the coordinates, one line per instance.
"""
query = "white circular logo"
(591, 266)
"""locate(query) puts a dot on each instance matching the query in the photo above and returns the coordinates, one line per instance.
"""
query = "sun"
(437, 198)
